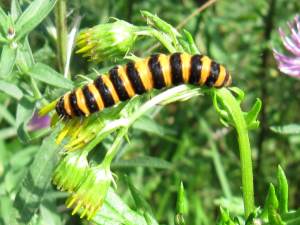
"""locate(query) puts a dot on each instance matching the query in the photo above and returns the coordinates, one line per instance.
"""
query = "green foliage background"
(187, 135)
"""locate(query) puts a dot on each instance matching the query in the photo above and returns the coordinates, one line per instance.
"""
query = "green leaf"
(289, 129)
(11, 89)
(181, 205)
(32, 16)
(225, 218)
(15, 9)
(7, 61)
(5, 114)
(141, 203)
(292, 218)
(251, 116)
(189, 40)
(149, 125)
(116, 212)
(24, 57)
(143, 161)
(283, 191)
(24, 113)
(37, 180)
(271, 200)
(49, 76)
(4, 21)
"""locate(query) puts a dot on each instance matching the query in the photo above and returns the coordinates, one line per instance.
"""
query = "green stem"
(115, 147)
(234, 110)
(165, 40)
(61, 28)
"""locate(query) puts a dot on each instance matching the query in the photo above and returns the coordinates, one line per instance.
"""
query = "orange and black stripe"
(135, 78)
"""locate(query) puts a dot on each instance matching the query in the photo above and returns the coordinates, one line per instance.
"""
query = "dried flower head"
(290, 64)
(105, 41)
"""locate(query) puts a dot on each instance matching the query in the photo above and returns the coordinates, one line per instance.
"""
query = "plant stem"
(234, 110)
(61, 28)
(115, 147)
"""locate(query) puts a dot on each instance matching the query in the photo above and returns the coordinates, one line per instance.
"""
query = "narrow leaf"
(7, 61)
(139, 200)
(181, 200)
(15, 9)
(283, 191)
(11, 89)
(287, 129)
(37, 180)
(32, 16)
(4, 21)
(180, 205)
(24, 113)
(49, 76)
(145, 161)
(5, 114)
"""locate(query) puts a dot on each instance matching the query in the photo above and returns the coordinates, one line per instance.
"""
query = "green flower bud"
(90, 195)
(105, 41)
(71, 171)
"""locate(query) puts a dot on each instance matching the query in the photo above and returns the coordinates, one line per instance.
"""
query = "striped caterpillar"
(135, 78)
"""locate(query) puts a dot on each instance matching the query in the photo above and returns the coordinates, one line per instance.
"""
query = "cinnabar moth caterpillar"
(157, 71)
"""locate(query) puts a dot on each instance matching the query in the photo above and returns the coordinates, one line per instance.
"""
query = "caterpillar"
(135, 78)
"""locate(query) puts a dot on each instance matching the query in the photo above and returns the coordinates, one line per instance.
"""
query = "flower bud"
(90, 195)
(71, 171)
(105, 41)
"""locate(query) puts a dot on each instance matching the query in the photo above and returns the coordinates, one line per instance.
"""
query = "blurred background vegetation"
(239, 34)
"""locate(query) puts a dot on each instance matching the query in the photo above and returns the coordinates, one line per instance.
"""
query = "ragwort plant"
(64, 154)
(88, 193)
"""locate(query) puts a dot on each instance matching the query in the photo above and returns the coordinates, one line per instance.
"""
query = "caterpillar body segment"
(135, 78)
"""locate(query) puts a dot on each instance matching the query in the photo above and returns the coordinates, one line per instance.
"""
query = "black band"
(156, 71)
(135, 79)
(213, 74)
(176, 68)
(90, 99)
(195, 70)
(73, 101)
(118, 84)
(104, 92)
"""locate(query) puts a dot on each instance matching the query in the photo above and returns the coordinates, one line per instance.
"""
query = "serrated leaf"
(7, 61)
(283, 191)
(32, 16)
(11, 89)
(143, 161)
(116, 212)
(287, 129)
(49, 76)
(37, 180)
